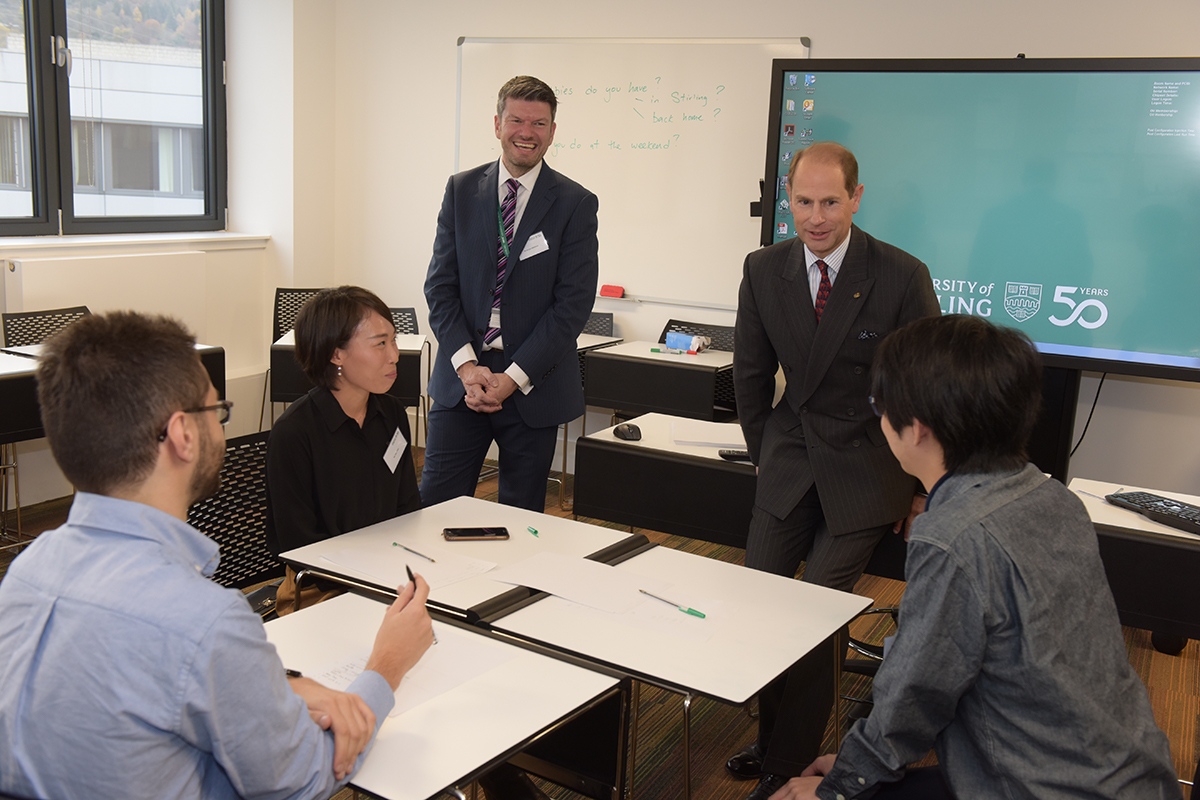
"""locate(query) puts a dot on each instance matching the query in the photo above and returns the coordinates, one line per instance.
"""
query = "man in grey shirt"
(1008, 660)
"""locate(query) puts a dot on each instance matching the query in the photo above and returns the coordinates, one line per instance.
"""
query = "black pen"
(413, 581)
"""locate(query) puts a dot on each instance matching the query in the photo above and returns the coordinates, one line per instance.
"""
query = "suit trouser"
(457, 442)
(795, 707)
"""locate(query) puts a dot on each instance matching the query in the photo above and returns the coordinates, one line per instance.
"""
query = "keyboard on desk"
(1176, 513)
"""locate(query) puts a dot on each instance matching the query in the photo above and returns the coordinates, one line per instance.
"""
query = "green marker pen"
(684, 609)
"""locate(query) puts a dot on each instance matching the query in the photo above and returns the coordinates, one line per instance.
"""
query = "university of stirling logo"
(1022, 300)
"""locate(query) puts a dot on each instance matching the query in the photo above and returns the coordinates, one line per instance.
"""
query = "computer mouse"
(627, 431)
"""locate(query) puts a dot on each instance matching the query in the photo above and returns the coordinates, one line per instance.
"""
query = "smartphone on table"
(474, 534)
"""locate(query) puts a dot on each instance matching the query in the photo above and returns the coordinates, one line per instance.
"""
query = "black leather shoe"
(768, 785)
(506, 782)
(746, 763)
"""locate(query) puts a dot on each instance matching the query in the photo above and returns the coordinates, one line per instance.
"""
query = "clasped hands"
(486, 390)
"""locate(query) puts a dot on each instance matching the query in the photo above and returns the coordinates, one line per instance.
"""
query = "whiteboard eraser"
(609, 290)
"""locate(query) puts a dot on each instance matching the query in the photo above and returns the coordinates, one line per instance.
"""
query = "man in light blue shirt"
(127, 672)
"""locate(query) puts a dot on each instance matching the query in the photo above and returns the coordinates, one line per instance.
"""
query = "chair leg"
(562, 484)
(633, 729)
(687, 746)
(10, 466)
(263, 406)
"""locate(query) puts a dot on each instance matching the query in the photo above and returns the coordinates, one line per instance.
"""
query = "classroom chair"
(236, 519)
(25, 328)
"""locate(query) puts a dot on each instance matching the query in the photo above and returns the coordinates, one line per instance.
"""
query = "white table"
(1106, 514)
(758, 624)
(453, 737)
(422, 530)
(590, 341)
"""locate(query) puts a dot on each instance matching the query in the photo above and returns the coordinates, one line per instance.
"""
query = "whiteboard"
(670, 134)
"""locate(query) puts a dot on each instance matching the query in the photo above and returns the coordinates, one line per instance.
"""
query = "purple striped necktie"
(823, 289)
(508, 214)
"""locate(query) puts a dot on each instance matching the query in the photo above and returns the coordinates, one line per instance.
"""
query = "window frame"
(50, 170)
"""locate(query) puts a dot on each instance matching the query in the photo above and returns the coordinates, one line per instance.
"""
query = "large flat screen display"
(1057, 196)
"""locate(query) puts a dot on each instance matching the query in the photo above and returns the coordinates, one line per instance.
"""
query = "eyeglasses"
(874, 407)
(224, 409)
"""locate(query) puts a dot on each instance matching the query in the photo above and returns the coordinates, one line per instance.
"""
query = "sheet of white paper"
(453, 661)
(703, 433)
(386, 564)
(589, 583)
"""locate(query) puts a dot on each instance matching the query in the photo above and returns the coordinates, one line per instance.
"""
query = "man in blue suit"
(511, 284)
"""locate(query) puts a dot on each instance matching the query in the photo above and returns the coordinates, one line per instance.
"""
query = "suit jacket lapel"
(487, 195)
(846, 300)
(793, 274)
(540, 201)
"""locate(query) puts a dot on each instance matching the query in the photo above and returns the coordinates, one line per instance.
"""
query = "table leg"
(633, 727)
(687, 746)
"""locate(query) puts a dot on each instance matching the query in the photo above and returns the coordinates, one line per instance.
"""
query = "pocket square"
(868, 335)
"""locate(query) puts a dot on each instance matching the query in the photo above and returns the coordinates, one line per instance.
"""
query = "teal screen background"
(1066, 204)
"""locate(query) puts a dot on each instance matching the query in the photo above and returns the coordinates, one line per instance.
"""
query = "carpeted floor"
(718, 730)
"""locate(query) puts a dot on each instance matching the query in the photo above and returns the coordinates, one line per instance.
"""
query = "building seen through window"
(139, 138)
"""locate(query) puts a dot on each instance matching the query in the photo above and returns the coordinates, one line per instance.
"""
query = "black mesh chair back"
(236, 516)
(721, 335)
(405, 320)
(34, 327)
(600, 323)
(288, 303)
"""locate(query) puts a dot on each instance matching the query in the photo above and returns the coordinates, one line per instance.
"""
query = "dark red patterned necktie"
(822, 290)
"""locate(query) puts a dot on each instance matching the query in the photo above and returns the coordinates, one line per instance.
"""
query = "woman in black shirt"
(339, 458)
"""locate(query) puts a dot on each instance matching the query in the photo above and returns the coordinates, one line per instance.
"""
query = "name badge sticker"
(395, 449)
(536, 244)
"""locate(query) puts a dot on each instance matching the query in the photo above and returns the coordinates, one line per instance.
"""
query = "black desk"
(1152, 568)
(630, 378)
(21, 419)
(288, 382)
(661, 486)
(687, 491)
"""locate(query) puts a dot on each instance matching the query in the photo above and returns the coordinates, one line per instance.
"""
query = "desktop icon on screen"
(792, 78)
(787, 156)
(808, 106)
(789, 130)
(791, 105)
(781, 229)
(809, 80)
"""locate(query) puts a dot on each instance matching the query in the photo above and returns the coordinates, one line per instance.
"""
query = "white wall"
(394, 79)
(341, 137)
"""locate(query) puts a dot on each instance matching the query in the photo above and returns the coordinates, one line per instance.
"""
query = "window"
(112, 116)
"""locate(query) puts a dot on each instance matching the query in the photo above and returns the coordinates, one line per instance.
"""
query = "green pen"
(684, 609)
(532, 530)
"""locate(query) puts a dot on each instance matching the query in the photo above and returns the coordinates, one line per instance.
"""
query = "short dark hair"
(977, 386)
(828, 153)
(328, 321)
(108, 384)
(526, 87)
